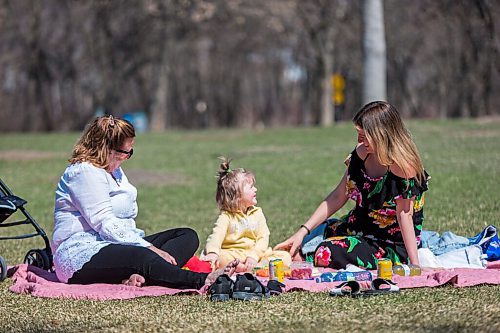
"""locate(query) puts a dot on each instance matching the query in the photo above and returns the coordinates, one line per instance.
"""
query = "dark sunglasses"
(129, 153)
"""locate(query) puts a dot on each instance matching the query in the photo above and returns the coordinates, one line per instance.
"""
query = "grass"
(295, 169)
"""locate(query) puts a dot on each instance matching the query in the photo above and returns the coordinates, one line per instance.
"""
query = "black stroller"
(9, 204)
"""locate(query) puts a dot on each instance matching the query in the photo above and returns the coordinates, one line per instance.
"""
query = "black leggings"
(115, 263)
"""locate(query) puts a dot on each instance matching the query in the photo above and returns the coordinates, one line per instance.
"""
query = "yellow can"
(276, 270)
(384, 269)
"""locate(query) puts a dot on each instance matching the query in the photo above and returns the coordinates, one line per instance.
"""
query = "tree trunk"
(159, 105)
(374, 59)
(158, 112)
(327, 108)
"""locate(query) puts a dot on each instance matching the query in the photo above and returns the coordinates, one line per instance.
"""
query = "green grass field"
(295, 168)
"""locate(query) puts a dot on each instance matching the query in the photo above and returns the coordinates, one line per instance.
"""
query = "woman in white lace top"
(95, 238)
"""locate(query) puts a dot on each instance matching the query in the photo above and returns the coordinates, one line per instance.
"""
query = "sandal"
(348, 288)
(221, 289)
(381, 287)
(352, 288)
(248, 288)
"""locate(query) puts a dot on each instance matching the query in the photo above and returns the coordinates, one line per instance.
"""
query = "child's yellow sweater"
(241, 231)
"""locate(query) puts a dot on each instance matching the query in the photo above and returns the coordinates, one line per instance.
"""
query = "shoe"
(221, 289)
(248, 288)
(353, 289)
(348, 288)
(381, 287)
(274, 288)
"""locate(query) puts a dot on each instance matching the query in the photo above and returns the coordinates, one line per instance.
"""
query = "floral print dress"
(370, 231)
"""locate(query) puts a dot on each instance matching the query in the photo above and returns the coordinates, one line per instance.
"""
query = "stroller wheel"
(38, 258)
(3, 269)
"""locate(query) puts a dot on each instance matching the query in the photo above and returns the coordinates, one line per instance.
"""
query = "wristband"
(308, 230)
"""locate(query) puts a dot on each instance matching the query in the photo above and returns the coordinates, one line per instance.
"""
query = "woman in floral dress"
(386, 179)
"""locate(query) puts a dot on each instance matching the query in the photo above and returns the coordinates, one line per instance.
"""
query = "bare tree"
(318, 20)
(213, 63)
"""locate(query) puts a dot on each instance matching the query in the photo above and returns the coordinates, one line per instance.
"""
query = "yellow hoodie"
(246, 233)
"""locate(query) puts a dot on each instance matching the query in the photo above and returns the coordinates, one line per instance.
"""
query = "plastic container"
(344, 276)
(406, 270)
(301, 270)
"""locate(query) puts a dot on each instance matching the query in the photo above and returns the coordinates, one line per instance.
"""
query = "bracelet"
(308, 230)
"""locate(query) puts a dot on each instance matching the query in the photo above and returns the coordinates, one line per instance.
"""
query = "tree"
(374, 57)
(233, 63)
(318, 19)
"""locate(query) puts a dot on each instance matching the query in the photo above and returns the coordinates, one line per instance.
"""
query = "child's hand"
(212, 257)
(250, 263)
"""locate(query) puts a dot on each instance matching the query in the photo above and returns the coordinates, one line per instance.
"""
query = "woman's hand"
(292, 244)
(250, 263)
(164, 254)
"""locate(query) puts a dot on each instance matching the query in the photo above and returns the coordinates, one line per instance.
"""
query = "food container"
(301, 270)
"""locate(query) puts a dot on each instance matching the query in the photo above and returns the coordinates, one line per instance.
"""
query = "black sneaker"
(221, 289)
(248, 288)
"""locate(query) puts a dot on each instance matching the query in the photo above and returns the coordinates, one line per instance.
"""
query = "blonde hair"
(101, 136)
(230, 185)
(385, 130)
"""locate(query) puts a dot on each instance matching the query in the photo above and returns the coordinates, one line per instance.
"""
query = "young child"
(241, 230)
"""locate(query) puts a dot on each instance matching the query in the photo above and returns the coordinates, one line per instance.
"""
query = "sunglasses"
(129, 153)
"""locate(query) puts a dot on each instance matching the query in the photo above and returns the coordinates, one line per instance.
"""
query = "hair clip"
(111, 121)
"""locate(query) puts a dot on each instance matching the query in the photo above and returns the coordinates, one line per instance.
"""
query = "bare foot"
(135, 280)
(229, 270)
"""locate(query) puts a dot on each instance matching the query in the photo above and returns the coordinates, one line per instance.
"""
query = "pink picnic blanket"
(37, 282)
(457, 277)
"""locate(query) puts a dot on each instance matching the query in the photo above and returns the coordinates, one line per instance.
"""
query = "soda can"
(276, 270)
(272, 275)
(384, 269)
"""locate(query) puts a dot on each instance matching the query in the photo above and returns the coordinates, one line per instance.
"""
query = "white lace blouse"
(92, 210)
